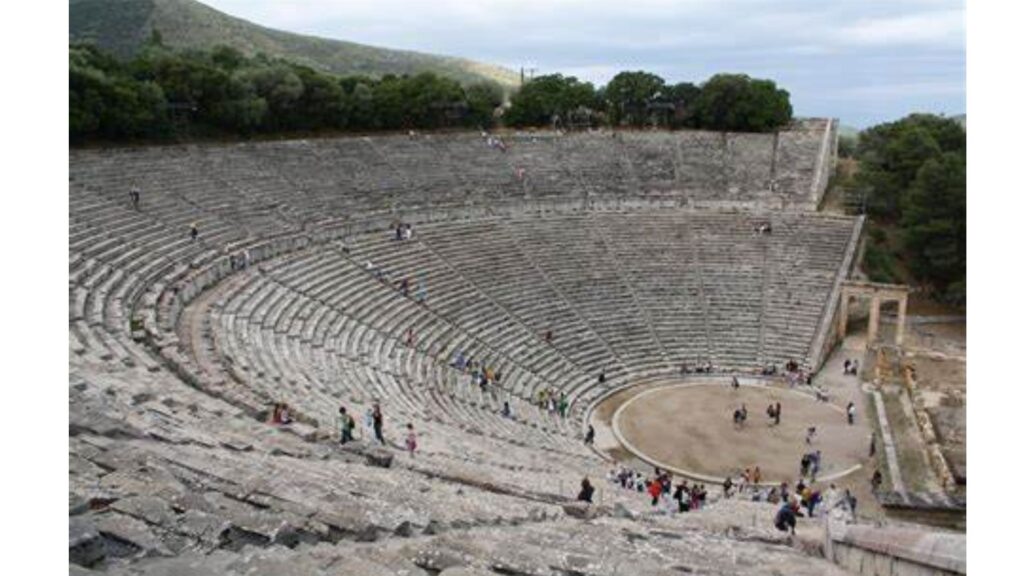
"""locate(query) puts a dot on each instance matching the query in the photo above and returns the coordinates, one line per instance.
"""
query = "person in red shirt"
(654, 489)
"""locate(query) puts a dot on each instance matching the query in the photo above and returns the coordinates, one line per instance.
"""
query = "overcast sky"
(863, 61)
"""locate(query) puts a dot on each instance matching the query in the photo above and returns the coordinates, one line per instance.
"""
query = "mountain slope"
(122, 26)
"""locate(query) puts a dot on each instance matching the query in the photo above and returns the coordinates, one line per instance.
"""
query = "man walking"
(378, 423)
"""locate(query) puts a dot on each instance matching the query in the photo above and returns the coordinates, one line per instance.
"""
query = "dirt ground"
(690, 427)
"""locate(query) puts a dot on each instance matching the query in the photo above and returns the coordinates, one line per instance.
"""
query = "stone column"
(876, 311)
(844, 311)
(901, 319)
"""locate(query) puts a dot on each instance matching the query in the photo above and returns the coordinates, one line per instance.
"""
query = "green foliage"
(223, 91)
(629, 94)
(915, 170)
(891, 154)
(547, 100)
(162, 92)
(106, 102)
(738, 102)
(483, 99)
(847, 146)
(878, 263)
(935, 222)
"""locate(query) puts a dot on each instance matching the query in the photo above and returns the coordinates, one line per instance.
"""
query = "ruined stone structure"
(637, 251)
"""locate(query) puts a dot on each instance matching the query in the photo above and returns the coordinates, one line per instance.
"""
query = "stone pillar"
(876, 311)
(901, 319)
(844, 311)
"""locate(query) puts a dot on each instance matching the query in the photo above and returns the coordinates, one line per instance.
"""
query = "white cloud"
(943, 28)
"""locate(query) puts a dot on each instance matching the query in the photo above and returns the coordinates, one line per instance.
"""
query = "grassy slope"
(121, 26)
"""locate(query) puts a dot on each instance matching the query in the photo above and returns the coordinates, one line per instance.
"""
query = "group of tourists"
(241, 260)
(701, 368)
(495, 142)
(373, 422)
(280, 414)
(660, 488)
(402, 231)
(480, 374)
(810, 464)
(405, 288)
(850, 367)
(554, 403)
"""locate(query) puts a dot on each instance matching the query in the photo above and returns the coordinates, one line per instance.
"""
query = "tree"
(629, 94)
(935, 223)
(482, 100)
(737, 102)
(105, 101)
(891, 154)
(547, 99)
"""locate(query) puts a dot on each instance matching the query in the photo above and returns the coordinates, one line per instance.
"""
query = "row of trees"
(914, 173)
(161, 93)
(734, 102)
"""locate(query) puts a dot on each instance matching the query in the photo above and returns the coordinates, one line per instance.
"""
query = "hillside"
(122, 26)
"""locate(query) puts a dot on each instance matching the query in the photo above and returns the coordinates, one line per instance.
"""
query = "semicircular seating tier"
(636, 250)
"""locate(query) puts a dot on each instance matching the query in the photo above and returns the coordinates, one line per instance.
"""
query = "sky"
(862, 61)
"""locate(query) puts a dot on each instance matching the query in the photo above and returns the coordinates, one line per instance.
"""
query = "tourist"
(851, 504)
(756, 476)
(682, 497)
(586, 491)
(771, 412)
(812, 500)
(135, 197)
(831, 499)
(506, 410)
(549, 336)
(193, 231)
(589, 439)
(778, 413)
(854, 367)
(811, 432)
(600, 378)
(871, 447)
(368, 423)
(876, 480)
(735, 383)
(421, 292)
(654, 489)
(850, 410)
(345, 425)
(410, 439)
(282, 415)
(727, 487)
(378, 423)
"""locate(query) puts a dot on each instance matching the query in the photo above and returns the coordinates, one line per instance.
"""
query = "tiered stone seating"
(178, 351)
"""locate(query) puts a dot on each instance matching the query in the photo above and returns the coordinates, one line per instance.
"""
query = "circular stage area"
(688, 428)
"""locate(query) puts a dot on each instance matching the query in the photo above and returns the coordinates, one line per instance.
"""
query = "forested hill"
(121, 27)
